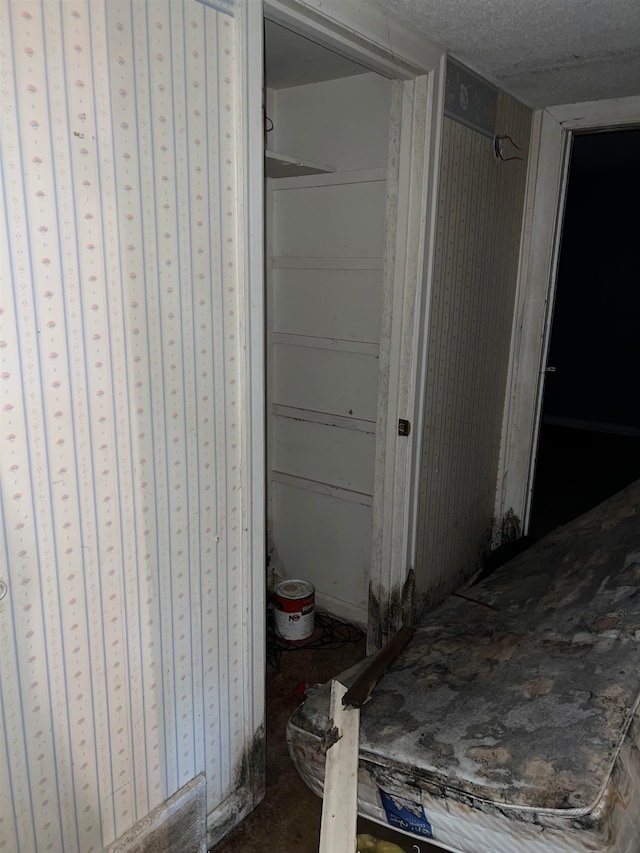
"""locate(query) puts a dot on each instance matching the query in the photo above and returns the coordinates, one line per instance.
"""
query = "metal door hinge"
(404, 427)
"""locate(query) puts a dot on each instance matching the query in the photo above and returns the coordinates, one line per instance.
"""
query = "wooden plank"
(362, 688)
(332, 221)
(325, 489)
(316, 452)
(318, 342)
(330, 303)
(332, 179)
(340, 798)
(325, 418)
(283, 166)
(323, 535)
(330, 381)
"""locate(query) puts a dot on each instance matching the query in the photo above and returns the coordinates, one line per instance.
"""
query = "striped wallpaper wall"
(122, 650)
(476, 256)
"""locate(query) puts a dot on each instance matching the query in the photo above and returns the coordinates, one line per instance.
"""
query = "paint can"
(295, 604)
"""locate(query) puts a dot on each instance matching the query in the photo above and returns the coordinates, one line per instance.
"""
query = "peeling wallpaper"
(479, 220)
(122, 659)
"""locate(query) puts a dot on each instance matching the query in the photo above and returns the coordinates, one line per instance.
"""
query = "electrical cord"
(498, 146)
(333, 634)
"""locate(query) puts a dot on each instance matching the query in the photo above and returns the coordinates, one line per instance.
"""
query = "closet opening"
(326, 128)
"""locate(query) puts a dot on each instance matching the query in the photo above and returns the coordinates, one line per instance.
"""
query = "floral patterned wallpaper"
(121, 637)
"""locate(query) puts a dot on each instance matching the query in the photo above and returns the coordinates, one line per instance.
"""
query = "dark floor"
(576, 470)
(288, 819)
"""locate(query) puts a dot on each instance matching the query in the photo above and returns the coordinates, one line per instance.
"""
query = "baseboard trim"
(180, 819)
(228, 815)
(355, 614)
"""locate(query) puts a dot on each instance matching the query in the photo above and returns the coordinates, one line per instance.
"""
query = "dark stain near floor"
(288, 818)
(501, 555)
(388, 611)
(511, 527)
(252, 769)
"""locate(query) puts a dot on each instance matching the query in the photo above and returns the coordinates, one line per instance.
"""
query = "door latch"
(404, 427)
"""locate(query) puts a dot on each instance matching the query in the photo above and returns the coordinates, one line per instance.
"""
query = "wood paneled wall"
(477, 248)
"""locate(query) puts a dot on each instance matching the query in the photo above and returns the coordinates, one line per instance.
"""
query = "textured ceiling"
(541, 51)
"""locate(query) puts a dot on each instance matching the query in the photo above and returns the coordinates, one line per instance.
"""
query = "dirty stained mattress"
(510, 722)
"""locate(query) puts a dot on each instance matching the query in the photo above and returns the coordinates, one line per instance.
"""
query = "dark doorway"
(589, 443)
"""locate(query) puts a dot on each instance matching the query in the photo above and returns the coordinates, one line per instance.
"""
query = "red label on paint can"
(295, 609)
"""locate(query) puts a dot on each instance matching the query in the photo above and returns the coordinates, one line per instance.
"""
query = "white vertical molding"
(124, 653)
(383, 43)
(546, 189)
(479, 218)
(251, 259)
(414, 160)
(213, 460)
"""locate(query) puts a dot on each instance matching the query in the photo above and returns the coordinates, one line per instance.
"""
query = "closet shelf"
(283, 166)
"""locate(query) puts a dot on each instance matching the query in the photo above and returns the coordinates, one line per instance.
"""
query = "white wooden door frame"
(552, 133)
(361, 31)
(251, 263)
(365, 33)
(403, 354)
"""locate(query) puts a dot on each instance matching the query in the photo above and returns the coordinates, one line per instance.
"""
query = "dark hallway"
(576, 470)
(589, 443)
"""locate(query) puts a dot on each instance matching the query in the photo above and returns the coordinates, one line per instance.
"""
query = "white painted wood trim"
(316, 342)
(331, 179)
(292, 166)
(425, 260)
(362, 31)
(383, 578)
(366, 33)
(270, 373)
(552, 132)
(227, 815)
(353, 614)
(590, 115)
(309, 485)
(324, 418)
(251, 273)
(413, 185)
(340, 795)
(544, 180)
(146, 832)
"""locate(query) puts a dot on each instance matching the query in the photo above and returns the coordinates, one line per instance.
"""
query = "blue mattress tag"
(405, 815)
